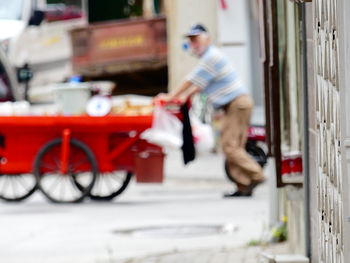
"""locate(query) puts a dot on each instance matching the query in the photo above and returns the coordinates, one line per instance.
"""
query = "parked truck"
(116, 47)
(35, 36)
(126, 47)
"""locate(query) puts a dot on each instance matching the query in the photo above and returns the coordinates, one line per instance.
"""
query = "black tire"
(227, 172)
(256, 152)
(109, 185)
(82, 168)
(17, 187)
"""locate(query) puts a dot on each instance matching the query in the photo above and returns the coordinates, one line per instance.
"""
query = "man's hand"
(180, 95)
(165, 98)
(162, 98)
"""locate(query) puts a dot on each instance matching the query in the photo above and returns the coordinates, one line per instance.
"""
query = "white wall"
(233, 36)
(235, 31)
(181, 14)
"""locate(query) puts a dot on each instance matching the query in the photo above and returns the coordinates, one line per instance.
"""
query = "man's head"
(198, 38)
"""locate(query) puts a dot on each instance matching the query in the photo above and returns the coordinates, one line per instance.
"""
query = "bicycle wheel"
(227, 172)
(62, 188)
(17, 187)
(256, 152)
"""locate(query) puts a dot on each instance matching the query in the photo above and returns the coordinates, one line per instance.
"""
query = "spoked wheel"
(108, 185)
(256, 152)
(81, 168)
(17, 187)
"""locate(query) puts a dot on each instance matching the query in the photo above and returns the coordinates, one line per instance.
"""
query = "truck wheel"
(17, 187)
(62, 188)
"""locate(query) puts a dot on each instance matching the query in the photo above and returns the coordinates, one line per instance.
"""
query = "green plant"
(280, 231)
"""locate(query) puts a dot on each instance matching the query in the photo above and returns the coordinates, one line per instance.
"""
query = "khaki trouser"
(243, 168)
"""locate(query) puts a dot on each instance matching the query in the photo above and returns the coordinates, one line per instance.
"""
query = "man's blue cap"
(196, 30)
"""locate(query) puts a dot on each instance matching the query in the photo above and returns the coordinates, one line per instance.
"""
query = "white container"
(71, 98)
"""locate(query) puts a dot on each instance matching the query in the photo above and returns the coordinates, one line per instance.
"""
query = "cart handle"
(161, 102)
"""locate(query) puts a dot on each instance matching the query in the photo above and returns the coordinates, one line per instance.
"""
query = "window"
(11, 10)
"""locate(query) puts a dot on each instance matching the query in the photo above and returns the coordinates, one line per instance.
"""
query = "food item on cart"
(49, 109)
(6, 108)
(17, 108)
(21, 108)
(129, 109)
(103, 88)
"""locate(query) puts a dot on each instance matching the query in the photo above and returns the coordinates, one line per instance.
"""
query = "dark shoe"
(254, 184)
(248, 191)
(238, 193)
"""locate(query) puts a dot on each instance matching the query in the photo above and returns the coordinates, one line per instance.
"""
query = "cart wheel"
(17, 187)
(62, 188)
(109, 185)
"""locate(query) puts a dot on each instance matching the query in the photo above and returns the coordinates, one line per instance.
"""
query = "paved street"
(246, 255)
(183, 219)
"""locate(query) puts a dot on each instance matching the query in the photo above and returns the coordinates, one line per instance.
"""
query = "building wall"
(291, 88)
(181, 14)
(344, 82)
(326, 173)
(233, 37)
(238, 38)
(329, 136)
(290, 77)
(294, 207)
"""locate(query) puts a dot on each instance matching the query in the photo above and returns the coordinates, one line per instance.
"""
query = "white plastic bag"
(203, 135)
(166, 130)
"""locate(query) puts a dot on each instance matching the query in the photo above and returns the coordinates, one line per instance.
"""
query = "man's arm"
(191, 91)
(182, 93)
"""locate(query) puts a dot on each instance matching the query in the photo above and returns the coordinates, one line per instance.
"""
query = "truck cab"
(35, 34)
(14, 17)
(8, 80)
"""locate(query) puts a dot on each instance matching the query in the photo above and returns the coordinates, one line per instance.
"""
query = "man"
(215, 77)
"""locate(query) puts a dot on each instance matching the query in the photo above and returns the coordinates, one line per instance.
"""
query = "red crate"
(149, 166)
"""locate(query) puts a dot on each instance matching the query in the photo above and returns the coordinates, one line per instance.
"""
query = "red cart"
(69, 158)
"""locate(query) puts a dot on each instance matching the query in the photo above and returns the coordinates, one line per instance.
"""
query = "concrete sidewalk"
(224, 255)
(143, 224)
(242, 255)
(205, 167)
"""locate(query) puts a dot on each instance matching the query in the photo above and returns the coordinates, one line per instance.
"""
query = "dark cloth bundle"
(188, 149)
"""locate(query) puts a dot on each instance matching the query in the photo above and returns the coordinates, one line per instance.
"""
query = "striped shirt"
(216, 77)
